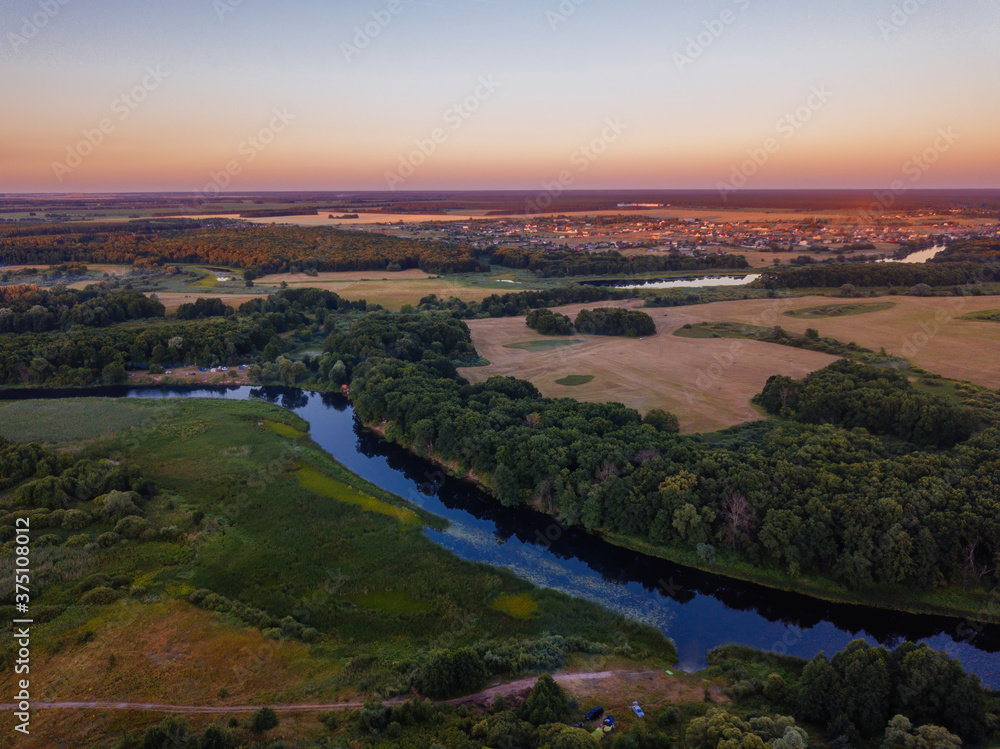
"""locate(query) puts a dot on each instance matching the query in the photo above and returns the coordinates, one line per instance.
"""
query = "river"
(697, 610)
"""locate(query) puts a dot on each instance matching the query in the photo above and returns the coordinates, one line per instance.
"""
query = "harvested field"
(708, 384)
(926, 331)
(174, 299)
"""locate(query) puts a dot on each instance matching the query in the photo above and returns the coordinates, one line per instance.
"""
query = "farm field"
(926, 331)
(708, 384)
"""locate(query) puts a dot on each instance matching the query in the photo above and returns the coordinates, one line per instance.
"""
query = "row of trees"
(563, 263)
(867, 275)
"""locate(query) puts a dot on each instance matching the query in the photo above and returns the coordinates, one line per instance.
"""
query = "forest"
(846, 482)
(866, 275)
(267, 249)
(880, 400)
(845, 503)
(27, 309)
(567, 263)
(970, 251)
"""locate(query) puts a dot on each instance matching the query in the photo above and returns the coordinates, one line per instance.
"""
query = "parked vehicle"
(594, 713)
(637, 710)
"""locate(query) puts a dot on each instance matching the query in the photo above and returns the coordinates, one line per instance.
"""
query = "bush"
(132, 526)
(217, 737)
(264, 720)
(453, 672)
(100, 597)
(117, 505)
(77, 520)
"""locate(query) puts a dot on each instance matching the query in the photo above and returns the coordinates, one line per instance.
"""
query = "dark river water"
(697, 610)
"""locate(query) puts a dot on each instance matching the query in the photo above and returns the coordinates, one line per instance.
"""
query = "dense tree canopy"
(615, 321)
(547, 322)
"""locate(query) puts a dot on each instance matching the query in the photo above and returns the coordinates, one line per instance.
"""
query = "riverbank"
(949, 602)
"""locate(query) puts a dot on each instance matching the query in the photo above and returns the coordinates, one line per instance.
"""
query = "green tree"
(546, 703)
(263, 720)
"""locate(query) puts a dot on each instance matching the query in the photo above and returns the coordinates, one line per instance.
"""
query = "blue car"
(594, 713)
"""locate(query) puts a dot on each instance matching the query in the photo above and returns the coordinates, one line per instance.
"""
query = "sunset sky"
(301, 95)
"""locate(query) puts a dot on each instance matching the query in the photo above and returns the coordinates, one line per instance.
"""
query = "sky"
(198, 95)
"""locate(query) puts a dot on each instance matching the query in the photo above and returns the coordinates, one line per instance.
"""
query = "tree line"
(268, 249)
(866, 275)
(562, 263)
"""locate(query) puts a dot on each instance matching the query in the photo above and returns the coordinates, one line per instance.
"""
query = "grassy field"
(575, 380)
(542, 345)
(708, 384)
(839, 310)
(267, 519)
(992, 315)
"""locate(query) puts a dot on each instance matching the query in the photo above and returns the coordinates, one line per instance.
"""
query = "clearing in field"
(542, 345)
(708, 384)
(575, 380)
(839, 310)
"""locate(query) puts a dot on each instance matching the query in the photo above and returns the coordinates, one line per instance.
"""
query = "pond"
(699, 611)
(685, 282)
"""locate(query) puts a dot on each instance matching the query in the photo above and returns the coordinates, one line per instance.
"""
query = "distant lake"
(684, 282)
(920, 256)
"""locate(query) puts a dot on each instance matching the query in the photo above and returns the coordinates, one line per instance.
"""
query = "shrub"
(100, 597)
(77, 520)
(453, 672)
(264, 720)
(132, 526)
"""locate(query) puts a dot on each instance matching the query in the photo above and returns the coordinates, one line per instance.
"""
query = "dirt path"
(485, 696)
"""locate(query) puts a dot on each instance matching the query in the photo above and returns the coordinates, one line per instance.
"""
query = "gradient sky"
(229, 65)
